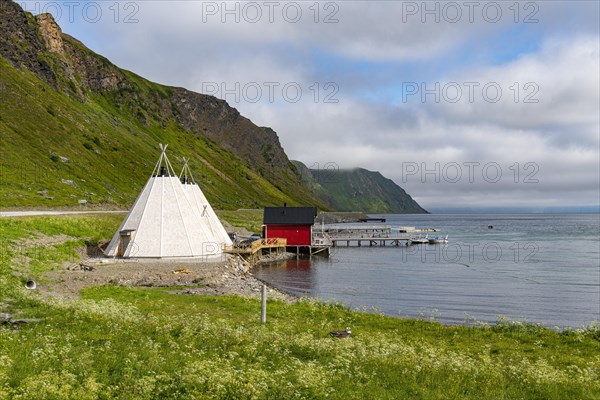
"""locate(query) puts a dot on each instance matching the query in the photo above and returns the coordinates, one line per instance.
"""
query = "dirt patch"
(41, 240)
(32, 249)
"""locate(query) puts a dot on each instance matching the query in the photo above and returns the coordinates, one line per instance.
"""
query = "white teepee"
(164, 223)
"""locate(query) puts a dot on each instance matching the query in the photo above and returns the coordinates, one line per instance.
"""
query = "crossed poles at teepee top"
(186, 172)
(163, 159)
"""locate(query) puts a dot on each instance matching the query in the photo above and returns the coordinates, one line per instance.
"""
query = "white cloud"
(555, 89)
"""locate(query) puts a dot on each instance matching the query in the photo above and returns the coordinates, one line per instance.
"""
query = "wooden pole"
(263, 311)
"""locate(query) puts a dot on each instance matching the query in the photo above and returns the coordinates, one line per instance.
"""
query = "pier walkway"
(361, 235)
(372, 241)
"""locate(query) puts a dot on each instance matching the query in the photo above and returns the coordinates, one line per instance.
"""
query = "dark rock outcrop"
(21, 43)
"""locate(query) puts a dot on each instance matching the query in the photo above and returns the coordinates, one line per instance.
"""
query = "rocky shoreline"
(241, 282)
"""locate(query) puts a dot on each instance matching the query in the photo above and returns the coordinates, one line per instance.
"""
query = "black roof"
(290, 215)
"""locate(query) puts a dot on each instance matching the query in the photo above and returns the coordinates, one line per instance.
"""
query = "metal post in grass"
(263, 312)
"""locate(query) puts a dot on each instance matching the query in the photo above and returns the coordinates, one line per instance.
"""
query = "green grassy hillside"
(75, 127)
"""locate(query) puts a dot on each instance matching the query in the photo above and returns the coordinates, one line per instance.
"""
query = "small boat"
(419, 239)
(438, 240)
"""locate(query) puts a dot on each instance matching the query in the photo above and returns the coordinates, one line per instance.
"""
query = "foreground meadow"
(144, 343)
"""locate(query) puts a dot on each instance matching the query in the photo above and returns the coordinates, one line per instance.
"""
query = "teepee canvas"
(201, 206)
(164, 223)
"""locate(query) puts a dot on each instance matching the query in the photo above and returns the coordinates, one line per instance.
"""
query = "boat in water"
(439, 240)
(419, 239)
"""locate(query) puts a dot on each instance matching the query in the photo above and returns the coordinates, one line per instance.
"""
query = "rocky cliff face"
(51, 33)
(38, 45)
(21, 42)
(224, 124)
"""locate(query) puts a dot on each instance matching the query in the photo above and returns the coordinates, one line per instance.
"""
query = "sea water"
(539, 268)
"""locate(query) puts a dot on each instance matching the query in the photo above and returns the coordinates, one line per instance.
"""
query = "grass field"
(140, 343)
(252, 220)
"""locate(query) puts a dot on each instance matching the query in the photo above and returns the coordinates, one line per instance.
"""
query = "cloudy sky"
(463, 104)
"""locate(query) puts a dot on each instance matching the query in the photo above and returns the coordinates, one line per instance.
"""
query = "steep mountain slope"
(358, 190)
(75, 127)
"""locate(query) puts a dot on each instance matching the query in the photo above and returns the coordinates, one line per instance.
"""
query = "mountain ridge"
(358, 189)
(77, 129)
(69, 114)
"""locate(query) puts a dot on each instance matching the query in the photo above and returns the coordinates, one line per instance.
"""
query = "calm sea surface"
(536, 267)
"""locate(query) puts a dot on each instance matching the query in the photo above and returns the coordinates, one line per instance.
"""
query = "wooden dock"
(252, 251)
(357, 230)
(342, 235)
(255, 246)
(393, 241)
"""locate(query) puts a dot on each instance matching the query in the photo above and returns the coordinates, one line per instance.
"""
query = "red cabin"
(292, 223)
